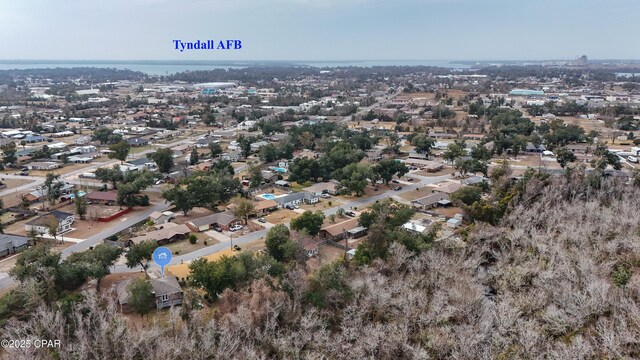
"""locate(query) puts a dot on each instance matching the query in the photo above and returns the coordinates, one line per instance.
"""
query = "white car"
(632, 159)
(235, 227)
(325, 196)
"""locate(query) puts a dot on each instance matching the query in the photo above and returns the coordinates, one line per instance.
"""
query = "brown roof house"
(166, 233)
(103, 197)
(264, 207)
(348, 228)
(223, 219)
(167, 292)
(431, 201)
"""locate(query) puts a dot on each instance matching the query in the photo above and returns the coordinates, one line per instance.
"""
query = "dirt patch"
(182, 270)
(195, 213)
(281, 216)
(449, 212)
(182, 247)
(445, 171)
(418, 193)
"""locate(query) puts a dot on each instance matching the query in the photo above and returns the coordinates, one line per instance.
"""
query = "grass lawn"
(184, 246)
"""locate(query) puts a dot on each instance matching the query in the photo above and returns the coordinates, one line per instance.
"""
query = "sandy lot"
(418, 193)
(281, 216)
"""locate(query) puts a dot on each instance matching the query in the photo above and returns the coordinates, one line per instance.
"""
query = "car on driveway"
(395, 181)
(325, 196)
(262, 220)
(235, 227)
(217, 228)
(398, 188)
(350, 213)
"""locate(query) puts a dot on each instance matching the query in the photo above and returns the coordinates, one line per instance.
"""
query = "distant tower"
(582, 60)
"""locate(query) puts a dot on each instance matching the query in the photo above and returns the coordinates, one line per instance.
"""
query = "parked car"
(262, 220)
(235, 227)
(632, 159)
(397, 188)
(296, 206)
(24, 169)
(290, 207)
(395, 181)
(409, 179)
(24, 173)
(217, 228)
(350, 213)
(325, 196)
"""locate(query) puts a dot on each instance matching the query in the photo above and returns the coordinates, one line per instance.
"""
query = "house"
(167, 233)
(310, 246)
(161, 217)
(10, 244)
(144, 162)
(431, 200)
(264, 207)
(330, 187)
(167, 292)
(448, 188)
(80, 159)
(412, 226)
(42, 223)
(339, 231)
(454, 223)
(232, 156)
(292, 199)
(44, 165)
(103, 197)
(224, 220)
(282, 183)
(137, 142)
(42, 192)
(426, 165)
(257, 145)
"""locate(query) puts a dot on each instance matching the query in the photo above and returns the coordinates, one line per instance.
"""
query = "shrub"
(193, 239)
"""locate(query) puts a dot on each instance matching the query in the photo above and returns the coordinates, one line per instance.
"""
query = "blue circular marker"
(162, 257)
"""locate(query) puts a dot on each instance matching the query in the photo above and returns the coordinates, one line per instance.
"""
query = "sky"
(320, 29)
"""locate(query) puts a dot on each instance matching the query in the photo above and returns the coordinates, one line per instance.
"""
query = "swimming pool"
(267, 196)
(279, 169)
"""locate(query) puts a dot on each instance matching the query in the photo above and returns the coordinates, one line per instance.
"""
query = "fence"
(114, 216)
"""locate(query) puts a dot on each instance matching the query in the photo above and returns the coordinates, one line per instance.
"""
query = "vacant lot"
(418, 193)
(281, 216)
(184, 246)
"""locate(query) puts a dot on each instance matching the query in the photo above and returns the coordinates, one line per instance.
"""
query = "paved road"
(358, 203)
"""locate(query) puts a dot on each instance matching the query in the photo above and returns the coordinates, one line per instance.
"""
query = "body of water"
(172, 67)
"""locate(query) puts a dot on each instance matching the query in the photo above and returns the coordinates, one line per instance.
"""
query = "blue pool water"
(267, 196)
(280, 170)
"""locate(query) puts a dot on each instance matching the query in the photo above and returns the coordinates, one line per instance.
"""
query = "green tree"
(81, 204)
(163, 158)
(386, 168)
(141, 297)
(467, 195)
(276, 242)
(120, 150)
(113, 175)
(309, 221)
(454, 151)
(9, 154)
(181, 198)
(140, 254)
(423, 144)
(355, 177)
(194, 157)
(243, 208)
(96, 261)
(53, 185)
(565, 156)
(255, 174)
(215, 149)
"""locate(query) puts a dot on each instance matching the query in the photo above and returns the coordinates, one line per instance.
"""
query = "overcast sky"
(321, 29)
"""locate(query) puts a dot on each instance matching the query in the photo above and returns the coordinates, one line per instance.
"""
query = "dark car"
(262, 220)
(350, 213)
(397, 188)
(217, 228)
(395, 181)
(24, 173)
